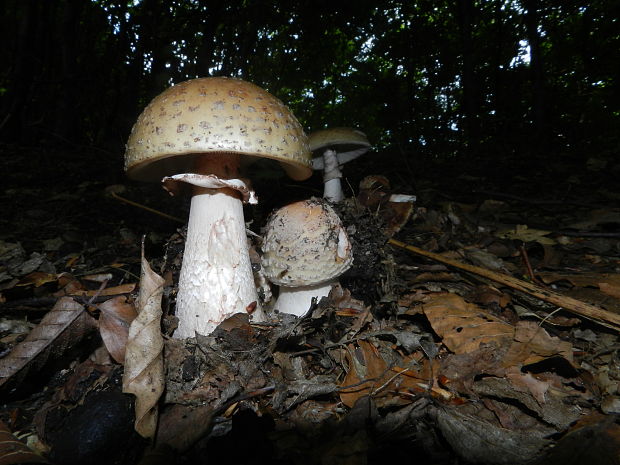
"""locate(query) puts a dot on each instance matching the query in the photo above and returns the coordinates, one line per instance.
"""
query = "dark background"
(442, 88)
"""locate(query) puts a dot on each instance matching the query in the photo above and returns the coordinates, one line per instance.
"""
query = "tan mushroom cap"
(342, 139)
(305, 244)
(214, 115)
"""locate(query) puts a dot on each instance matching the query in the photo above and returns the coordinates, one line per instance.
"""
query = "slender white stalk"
(216, 278)
(332, 190)
(297, 300)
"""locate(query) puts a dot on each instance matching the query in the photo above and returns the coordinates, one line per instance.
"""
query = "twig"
(526, 262)
(144, 207)
(592, 312)
(387, 383)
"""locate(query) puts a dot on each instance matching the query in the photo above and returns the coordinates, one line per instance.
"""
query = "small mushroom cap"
(334, 137)
(214, 115)
(305, 244)
(349, 144)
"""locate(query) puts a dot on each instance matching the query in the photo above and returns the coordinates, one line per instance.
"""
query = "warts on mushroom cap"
(205, 132)
(305, 243)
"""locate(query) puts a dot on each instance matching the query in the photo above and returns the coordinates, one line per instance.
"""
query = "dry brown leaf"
(369, 375)
(182, 425)
(67, 285)
(347, 306)
(553, 411)
(487, 295)
(526, 382)
(13, 451)
(464, 326)
(533, 344)
(609, 283)
(37, 278)
(408, 302)
(73, 287)
(396, 215)
(116, 316)
(419, 380)
(144, 364)
(71, 260)
(62, 327)
(523, 233)
(365, 363)
(435, 277)
(342, 300)
(479, 440)
(239, 321)
(122, 289)
(458, 371)
(612, 290)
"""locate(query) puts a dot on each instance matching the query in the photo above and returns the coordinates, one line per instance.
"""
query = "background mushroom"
(209, 130)
(305, 249)
(332, 148)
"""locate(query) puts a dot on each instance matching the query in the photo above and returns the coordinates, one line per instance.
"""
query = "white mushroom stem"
(331, 177)
(297, 300)
(216, 279)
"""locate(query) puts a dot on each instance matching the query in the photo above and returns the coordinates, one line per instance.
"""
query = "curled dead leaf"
(144, 365)
(62, 327)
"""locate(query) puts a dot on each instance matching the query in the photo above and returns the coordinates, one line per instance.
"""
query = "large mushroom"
(333, 148)
(205, 132)
(305, 249)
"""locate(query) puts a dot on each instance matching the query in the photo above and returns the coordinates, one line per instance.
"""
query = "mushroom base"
(297, 300)
(216, 279)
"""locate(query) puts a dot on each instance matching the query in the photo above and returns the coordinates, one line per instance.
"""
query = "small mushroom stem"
(216, 279)
(331, 177)
(297, 300)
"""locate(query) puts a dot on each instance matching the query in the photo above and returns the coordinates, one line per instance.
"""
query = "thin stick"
(592, 312)
(144, 207)
(526, 262)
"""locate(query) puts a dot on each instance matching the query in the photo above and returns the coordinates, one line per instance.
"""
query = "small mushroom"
(333, 148)
(205, 132)
(305, 249)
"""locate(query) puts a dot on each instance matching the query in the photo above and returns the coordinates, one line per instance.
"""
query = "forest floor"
(411, 355)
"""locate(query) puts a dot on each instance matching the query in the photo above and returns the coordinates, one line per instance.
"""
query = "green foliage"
(434, 78)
